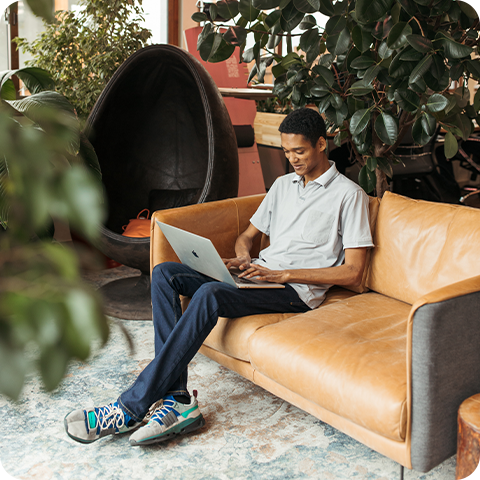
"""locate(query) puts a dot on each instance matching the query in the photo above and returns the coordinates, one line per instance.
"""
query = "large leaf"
(35, 79)
(222, 52)
(450, 145)
(419, 86)
(407, 100)
(326, 8)
(227, 9)
(359, 88)
(367, 179)
(397, 36)
(308, 22)
(291, 17)
(325, 76)
(52, 112)
(452, 49)
(206, 46)
(307, 6)
(265, 4)
(343, 42)
(438, 66)
(309, 39)
(8, 90)
(410, 55)
(363, 62)
(467, 9)
(384, 52)
(420, 43)
(399, 68)
(437, 103)
(429, 124)
(34, 105)
(371, 74)
(385, 166)
(476, 100)
(362, 38)
(386, 128)
(359, 121)
(319, 90)
(203, 36)
(235, 35)
(199, 17)
(290, 59)
(247, 10)
(420, 70)
(337, 115)
(418, 133)
(335, 25)
(456, 50)
(474, 68)
(368, 11)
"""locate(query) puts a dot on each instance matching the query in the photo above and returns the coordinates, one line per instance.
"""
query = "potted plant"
(44, 303)
(377, 69)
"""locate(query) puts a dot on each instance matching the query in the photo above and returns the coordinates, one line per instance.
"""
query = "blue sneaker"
(86, 426)
(169, 419)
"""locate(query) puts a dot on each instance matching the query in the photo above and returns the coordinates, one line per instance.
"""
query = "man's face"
(307, 161)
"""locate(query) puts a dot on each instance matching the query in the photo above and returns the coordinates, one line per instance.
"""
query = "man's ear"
(321, 144)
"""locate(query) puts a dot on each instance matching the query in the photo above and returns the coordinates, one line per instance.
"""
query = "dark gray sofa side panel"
(445, 371)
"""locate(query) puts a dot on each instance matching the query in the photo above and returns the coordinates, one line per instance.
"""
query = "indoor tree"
(377, 69)
(82, 49)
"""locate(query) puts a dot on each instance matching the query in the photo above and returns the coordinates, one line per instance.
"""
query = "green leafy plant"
(274, 105)
(377, 69)
(83, 49)
(48, 170)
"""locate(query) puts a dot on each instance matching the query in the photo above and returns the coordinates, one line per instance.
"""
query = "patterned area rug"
(249, 433)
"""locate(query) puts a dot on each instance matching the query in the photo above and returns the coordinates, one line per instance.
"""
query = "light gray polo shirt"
(311, 226)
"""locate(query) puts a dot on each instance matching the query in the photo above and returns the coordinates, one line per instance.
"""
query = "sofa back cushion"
(422, 246)
(221, 221)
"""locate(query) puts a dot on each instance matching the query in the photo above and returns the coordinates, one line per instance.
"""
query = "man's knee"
(164, 270)
(214, 291)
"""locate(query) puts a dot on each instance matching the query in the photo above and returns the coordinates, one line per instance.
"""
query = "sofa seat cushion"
(348, 357)
(230, 336)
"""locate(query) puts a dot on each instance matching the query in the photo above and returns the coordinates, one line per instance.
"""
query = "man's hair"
(306, 122)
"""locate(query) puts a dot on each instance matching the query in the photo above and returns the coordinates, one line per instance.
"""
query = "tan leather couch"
(388, 363)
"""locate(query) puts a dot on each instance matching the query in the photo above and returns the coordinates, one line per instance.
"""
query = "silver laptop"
(199, 253)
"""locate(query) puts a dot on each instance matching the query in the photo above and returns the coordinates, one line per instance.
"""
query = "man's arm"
(350, 273)
(243, 245)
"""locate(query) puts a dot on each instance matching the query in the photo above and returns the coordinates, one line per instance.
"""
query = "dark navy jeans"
(178, 337)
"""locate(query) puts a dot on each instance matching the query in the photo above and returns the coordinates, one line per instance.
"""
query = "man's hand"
(242, 262)
(265, 274)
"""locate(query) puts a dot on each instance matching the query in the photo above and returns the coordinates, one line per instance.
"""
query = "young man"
(317, 221)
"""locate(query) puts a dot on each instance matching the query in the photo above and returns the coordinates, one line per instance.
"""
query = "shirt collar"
(323, 180)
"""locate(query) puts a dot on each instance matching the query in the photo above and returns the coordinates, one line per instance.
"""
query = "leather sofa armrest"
(221, 221)
(443, 362)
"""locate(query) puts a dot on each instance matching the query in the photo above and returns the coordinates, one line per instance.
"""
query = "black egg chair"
(164, 139)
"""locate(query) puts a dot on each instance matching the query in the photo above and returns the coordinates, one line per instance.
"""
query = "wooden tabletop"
(247, 93)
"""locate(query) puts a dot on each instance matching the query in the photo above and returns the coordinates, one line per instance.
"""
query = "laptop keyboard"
(241, 280)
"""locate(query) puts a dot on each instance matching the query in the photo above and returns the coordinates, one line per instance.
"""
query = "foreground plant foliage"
(377, 70)
(83, 49)
(48, 170)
